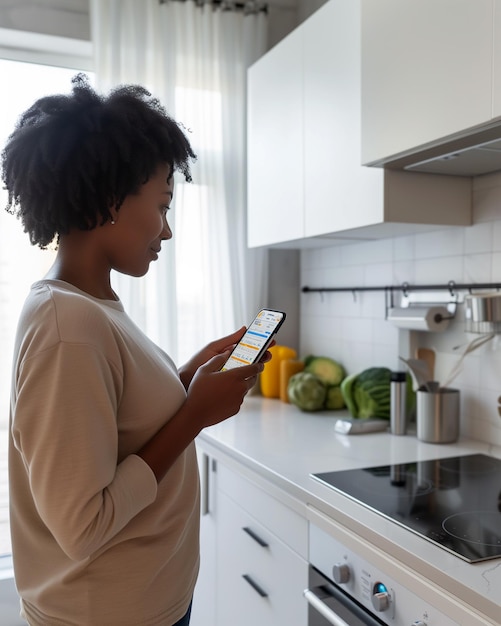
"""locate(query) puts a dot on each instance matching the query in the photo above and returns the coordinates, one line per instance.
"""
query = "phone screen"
(256, 339)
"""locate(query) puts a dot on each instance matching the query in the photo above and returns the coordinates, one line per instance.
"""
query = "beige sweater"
(96, 542)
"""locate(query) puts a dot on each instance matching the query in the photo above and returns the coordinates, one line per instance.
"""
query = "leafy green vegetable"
(347, 391)
(308, 359)
(334, 399)
(368, 394)
(329, 371)
(306, 391)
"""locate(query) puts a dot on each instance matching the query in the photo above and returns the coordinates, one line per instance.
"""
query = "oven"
(354, 583)
(328, 605)
(454, 503)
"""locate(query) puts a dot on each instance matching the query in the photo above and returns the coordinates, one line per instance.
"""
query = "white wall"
(354, 330)
(69, 18)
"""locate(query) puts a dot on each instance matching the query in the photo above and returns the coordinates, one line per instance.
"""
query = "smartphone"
(256, 340)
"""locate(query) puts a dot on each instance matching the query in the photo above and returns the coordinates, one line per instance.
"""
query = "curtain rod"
(248, 6)
(406, 287)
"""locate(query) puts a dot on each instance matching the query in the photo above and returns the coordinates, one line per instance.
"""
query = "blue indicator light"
(380, 588)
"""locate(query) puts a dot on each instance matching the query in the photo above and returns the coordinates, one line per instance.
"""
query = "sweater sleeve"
(65, 428)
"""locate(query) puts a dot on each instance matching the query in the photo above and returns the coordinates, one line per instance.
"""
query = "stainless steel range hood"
(471, 153)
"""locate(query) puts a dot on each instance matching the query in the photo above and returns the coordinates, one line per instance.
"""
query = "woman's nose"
(166, 231)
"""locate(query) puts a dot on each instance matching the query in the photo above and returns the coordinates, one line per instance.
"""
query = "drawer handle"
(255, 586)
(256, 538)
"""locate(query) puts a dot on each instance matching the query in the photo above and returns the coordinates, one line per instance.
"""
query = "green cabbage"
(368, 394)
(334, 399)
(306, 391)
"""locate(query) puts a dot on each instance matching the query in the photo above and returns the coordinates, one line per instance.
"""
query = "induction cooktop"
(453, 502)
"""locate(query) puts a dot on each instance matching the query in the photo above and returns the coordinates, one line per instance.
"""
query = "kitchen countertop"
(283, 445)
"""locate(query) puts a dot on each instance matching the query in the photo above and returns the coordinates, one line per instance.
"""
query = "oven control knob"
(341, 573)
(380, 597)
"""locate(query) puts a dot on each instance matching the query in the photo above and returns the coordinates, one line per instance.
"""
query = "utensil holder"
(437, 415)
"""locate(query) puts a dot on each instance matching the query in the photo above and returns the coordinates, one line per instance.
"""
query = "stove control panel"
(379, 589)
(341, 573)
(381, 598)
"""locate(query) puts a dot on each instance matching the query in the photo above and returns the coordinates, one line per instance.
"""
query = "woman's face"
(141, 225)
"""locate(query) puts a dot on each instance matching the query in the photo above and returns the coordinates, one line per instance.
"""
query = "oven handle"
(314, 600)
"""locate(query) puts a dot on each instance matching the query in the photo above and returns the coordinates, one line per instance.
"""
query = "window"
(20, 262)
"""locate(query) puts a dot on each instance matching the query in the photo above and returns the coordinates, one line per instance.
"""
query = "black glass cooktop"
(454, 502)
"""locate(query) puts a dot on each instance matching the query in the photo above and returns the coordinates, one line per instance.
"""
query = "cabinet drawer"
(288, 525)
(260, 580)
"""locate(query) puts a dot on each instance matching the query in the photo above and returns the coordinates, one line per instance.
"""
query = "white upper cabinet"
(306, 182)
(339, 193)
(496, 65)
(427, 72)
(275, 144)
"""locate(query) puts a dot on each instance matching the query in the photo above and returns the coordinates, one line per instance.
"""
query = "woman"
(103, 476)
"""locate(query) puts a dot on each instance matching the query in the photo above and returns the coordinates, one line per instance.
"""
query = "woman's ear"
(114, 216)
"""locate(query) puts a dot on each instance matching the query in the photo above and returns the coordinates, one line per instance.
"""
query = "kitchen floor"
(9, 604)
(9, 600)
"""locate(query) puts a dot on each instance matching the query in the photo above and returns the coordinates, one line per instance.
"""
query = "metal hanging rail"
(405, 288)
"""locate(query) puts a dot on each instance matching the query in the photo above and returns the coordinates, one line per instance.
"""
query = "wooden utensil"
(427, 355)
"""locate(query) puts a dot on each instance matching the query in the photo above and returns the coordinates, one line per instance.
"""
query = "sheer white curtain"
(194, 59)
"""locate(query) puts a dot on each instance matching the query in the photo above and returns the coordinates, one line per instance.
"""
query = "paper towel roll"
(432, 319)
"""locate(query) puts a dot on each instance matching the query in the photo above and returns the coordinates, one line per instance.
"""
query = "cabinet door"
(496, 63)
(260, 580)
(204, 598)
(426, 71)
(339, 193)
(275, 145)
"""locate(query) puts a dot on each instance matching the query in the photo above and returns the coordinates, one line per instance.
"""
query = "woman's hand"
(214, 348)
(213, 395)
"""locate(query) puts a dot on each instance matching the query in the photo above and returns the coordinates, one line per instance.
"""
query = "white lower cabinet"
(260, 580)
(203, 611)
(255, 561)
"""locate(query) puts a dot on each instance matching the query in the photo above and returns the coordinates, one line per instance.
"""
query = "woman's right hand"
(213, 395)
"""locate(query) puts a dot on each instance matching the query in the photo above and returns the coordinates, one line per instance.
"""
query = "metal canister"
(398, 413)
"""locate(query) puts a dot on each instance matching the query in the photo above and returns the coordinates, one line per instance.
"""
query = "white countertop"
(284, 445)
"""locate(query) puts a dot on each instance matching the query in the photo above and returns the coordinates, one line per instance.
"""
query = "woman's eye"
(165, 208)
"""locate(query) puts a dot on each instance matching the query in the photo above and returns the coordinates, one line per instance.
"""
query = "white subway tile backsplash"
(496, 236)
(478, 238)
(361, 329)
(439, 270)
(352, 327)
(378, 274)
(477, 268)
(372, 304)
(442, 243)
(496, 267)
(403, 248)
(403, 272)
(378, 251)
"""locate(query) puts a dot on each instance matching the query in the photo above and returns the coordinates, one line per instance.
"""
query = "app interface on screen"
(254, 339)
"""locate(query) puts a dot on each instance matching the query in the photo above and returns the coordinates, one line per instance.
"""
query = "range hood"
(474, 152)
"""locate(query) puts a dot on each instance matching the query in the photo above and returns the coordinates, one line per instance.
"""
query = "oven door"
(331, 606)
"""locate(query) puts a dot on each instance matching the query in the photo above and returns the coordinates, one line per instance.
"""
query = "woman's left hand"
(187, 371)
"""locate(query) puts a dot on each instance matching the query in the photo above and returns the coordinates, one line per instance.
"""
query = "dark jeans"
(184, 621)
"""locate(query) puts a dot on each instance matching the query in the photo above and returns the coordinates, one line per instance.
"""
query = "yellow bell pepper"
(270, 376)
(288, 367)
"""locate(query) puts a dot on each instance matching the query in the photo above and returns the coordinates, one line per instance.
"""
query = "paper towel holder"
(424, 311)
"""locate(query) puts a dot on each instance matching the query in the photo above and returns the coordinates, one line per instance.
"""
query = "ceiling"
(70, 18)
